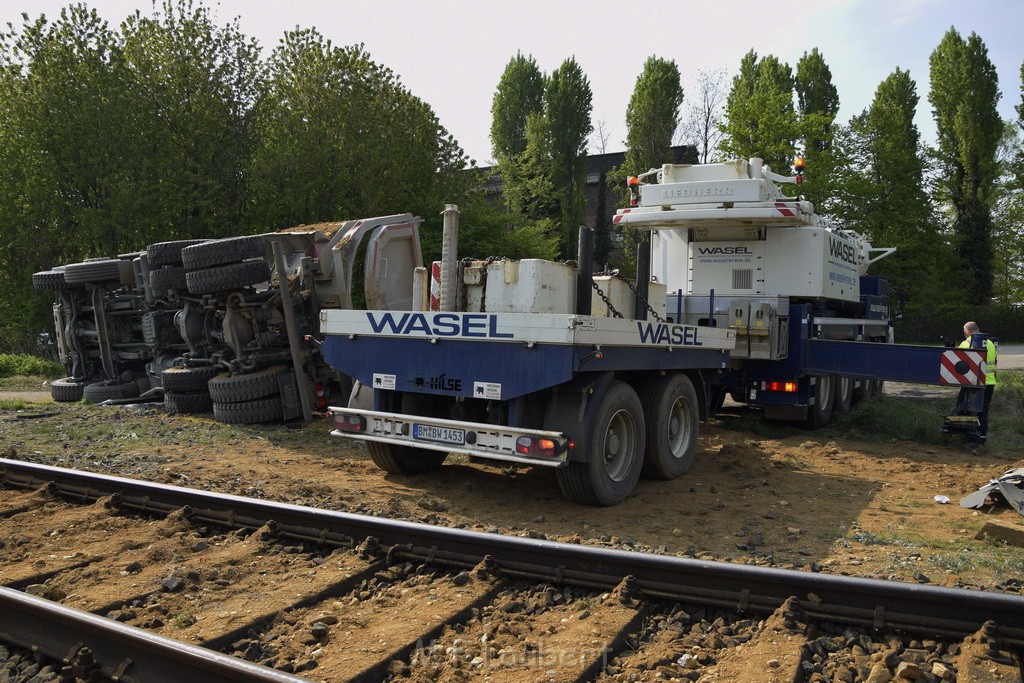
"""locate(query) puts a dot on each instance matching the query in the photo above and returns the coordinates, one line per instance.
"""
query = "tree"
(964, 93)
(652, 116)
(702, 126)
(62, 190)
(1008, 219)
(818, 103)
(567, 108)
(520, 93)
(337, 135)
(192, 86)
(760, 120)
(882, 192)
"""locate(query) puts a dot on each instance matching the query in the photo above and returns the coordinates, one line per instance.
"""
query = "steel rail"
(923, 609)
(95, 648)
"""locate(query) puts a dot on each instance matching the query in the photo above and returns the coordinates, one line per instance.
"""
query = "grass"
(888, 418)
(24, 365)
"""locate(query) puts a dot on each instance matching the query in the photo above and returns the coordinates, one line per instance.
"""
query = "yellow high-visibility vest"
(990, 361)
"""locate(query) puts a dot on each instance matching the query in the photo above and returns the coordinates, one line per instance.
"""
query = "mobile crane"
(744, 291)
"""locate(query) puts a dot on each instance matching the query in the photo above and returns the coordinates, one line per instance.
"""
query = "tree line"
(172, 126)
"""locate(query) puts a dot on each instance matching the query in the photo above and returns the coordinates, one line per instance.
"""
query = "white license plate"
(438, 434)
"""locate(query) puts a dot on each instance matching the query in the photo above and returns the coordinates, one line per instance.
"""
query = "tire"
(250, 412)
(168, 253)
(227, 388)
(616, 448)
(222, 252)
(393, 458)
(170, 277)
(99, 392)
(189, 403)
(877, 387)
(101, 270)
(672, 414)
(820, 413)
(185, 380)
(227, 277)
(67, 390)
(844, 395)
(49, 280)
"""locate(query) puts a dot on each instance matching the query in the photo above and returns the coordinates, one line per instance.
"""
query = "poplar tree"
(964, 93)
(652, 116)
(818, 103)
(520, 93)
(567, 107)
(760, 118)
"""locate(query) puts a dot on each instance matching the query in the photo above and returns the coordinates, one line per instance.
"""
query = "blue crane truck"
(740, 290)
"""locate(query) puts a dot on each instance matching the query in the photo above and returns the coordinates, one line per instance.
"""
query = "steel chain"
(605, 299)
(643, 300)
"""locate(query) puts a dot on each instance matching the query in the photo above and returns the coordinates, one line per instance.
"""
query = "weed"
(183, 620)
(22, 364)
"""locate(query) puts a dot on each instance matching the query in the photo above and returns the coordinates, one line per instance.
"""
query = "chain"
(605, 299)
(643, 300)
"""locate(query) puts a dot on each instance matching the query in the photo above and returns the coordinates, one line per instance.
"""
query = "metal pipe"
(643, 276)
(420, 288)
(585, 264)
(449, 257)
(301, 378)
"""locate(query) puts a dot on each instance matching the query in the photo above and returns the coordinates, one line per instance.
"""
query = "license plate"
(439, 434)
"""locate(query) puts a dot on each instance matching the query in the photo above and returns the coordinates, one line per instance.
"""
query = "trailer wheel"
(671, 413)
(98, 392)
(249, 412)
(49, 279)
(168, 253)
(188, 379)
(877, 387)
(67, 390)
(224, 278)
(226, 388)
(820, 412)
(169, 277)
(188, 403)
(391, 457)
(615, 451)
(222, 252)
(100, 271)
(844, 395)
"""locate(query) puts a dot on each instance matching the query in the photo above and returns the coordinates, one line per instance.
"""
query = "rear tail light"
(787, 387)
(537, 446)
(350, 423)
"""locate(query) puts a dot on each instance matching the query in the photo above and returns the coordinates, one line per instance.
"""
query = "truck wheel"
(188, 403)
(844, 395)
(820, 413)
(393, 458)
(671, 414)
(100, 270)
(226, 388)
(222, 252)
(67, 390)
(170, 277)
(98, 392)
(184, 379)
(227, 277)
(615, 454)
(168, 253)
(49, 280)
(249, 412)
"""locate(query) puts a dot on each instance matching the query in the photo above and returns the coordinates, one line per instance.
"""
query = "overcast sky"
(451, 53)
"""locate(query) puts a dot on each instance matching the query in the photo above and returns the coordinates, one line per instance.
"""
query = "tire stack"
(248, 399)
(222, 265)
(186, 389)
(165, 260)
(100, 271)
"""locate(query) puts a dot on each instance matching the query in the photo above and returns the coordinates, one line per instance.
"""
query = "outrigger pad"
(961, 424)
(1009, 486)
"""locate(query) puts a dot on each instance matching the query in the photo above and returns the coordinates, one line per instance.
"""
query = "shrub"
(13, 365)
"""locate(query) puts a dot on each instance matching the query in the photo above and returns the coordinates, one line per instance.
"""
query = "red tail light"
(537, 446)
(350, 423)
(787, 387)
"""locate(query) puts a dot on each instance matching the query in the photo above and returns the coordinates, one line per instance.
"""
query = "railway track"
(107, 578)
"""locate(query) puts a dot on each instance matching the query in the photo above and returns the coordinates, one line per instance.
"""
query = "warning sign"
(488, 390)
(960, 367)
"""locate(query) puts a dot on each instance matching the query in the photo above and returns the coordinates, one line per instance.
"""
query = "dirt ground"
(836, 505)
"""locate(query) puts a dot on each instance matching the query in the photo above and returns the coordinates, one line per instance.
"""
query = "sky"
(451, 53)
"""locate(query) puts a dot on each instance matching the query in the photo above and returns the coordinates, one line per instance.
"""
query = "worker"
(971, 328)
